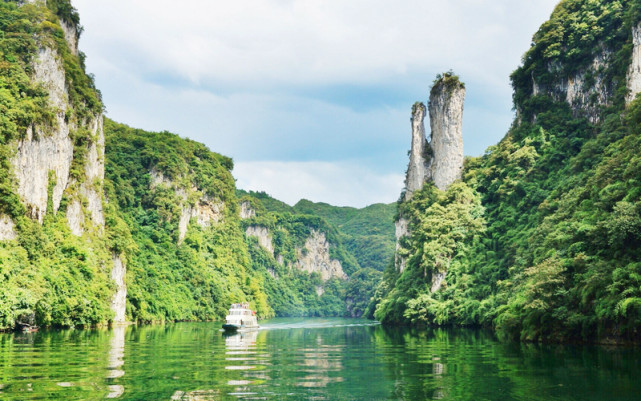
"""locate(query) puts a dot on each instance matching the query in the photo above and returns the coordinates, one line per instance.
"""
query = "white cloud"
(341, 184)
(298, 80)
(272, 42)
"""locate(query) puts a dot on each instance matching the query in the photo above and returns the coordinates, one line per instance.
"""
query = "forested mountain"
(541, 239)
(101, 222)
(359, 239)
(367, 233)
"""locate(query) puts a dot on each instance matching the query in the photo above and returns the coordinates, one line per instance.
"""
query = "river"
(306, 359)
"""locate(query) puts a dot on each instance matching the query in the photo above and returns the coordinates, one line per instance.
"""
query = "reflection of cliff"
(319, 363)
(116, 361)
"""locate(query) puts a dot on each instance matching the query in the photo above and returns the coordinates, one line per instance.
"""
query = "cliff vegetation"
(545, 241)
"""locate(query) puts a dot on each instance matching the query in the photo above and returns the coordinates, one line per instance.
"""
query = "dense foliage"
(295, 293)
(47, 275)
(366, 233)
(557, 257)
(167, 279)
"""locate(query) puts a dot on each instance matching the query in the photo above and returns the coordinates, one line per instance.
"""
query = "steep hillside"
(311, 271)
(100, 222)
(366, 233)
(187, 254)
(56, 257)
(543, 240)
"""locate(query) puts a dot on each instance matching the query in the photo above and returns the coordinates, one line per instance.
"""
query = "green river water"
(306, 359)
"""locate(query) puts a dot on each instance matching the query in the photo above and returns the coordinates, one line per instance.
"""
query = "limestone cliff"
(7, 229)
(441, 160)
(119, 277)
(634, 71)
(402, 230)
(246, 210)
(45, 153)
(263, 236)
(61, 159)
(587, 90)
(418, 170)
(446, 122)
(194, 203)
(315, 257)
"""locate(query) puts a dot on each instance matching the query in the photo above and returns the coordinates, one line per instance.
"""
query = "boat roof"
(243, 305)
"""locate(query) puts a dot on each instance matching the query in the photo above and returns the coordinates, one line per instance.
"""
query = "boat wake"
(284, 323)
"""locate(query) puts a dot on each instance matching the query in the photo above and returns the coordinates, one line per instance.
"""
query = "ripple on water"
(302, 359)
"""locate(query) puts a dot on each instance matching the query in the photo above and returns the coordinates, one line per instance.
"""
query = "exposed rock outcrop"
(246, 210)
(634, 71)
(418, 170)
(95, 172)
(587, 91)
(90, 190)
(75, 217)
(402, 230)
(46, 153)
(441, 160)
(206, 210)
(316, 258)
(119, 300)
(446, 122)
(71, 36)
(263, 235)
(437, 280)
(7, 228)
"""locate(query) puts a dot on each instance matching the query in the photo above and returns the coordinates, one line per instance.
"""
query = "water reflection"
(321, 360)
(242, 355)
(116, 360)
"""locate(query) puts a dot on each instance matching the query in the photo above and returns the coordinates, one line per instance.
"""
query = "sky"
(311, 98)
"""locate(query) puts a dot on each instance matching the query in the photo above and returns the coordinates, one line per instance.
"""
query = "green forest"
(540, 240)
(51, 277)
(542, 236)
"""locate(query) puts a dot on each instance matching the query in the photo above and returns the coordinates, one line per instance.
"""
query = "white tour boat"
(240, 317)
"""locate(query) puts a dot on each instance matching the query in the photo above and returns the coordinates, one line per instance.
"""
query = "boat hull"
(231, 327)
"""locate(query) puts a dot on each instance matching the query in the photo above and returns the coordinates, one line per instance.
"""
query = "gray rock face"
(75, 218)
(7, 228)
(418, 170)
(402, 230)
(585, 100)
(119, 300)
(263, 235)
(446, 122)
(45, 152)
(317, 258)
(634, 71)
(440, 160)
(246, 210)
(71, 36)
(437, 280)
(205, 210)
(91, 188)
